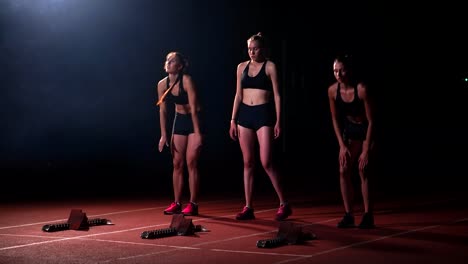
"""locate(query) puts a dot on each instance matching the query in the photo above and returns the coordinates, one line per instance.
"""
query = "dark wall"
(78, 91)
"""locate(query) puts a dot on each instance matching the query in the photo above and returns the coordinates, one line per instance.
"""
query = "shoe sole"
(191, 214)
(283, 217)
(171, 213)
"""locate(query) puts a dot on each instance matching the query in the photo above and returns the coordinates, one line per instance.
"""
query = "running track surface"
(422, 229)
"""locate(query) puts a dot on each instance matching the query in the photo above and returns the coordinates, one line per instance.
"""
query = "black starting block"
(288, 234)
(76, 221)
(180, 226)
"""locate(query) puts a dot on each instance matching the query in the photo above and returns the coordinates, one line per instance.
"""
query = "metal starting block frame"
(180, 226)
(288, 234)
(76, 221)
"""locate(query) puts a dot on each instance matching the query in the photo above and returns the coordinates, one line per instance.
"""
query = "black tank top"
(353, 108)
(260, 81)
(182, 97)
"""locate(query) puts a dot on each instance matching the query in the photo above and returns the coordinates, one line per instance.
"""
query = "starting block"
(288, 234)
(180, 226)
(76, 221)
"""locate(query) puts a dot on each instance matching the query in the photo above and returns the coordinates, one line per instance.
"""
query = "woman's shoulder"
(269, 64)
(242, 64)
(362, 89)
(333, 86)
(361, 85)
(186, 77)
(162, 81)
(332, 89)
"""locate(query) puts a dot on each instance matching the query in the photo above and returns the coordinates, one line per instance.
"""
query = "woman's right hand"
(344, 156)
(233, 130)
(162, 142)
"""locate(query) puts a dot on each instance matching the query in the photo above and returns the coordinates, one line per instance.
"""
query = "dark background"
(78, 91)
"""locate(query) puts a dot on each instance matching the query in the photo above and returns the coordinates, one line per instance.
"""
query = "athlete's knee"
(178, 164)
(192, 163)
(249, 163)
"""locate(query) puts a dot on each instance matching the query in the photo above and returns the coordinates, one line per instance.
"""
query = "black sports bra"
(260, 81)
(182, 97)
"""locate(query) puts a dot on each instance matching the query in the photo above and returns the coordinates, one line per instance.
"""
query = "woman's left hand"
(363, 160)
(277, 130)
(198, 140)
